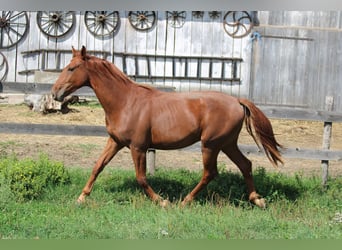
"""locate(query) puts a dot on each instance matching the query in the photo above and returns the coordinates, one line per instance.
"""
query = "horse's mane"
(105, 68)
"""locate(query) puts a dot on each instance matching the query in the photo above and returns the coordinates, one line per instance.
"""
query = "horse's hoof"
(164, 203)
(187, 200)
(260, 203)
(80, 200)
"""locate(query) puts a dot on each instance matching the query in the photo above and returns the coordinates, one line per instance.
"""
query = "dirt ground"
(84, 151)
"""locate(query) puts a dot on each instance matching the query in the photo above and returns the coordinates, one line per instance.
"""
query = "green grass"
(298, 208)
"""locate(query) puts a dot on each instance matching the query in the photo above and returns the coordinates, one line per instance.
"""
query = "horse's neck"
(113, 94)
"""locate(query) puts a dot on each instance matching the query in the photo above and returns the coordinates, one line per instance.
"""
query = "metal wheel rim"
(13, 27)
(142, 20)
(237, 24)
(176, 19)
(198, 14)
(101, 23)
(214, 14)
(3, 67)
(55, 23)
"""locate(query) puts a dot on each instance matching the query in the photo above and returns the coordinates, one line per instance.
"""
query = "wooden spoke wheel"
(13, 27)
(176, 19)
(198, 14)
(55, 23)
(101, 23)
(3, 67)
(142, 20)
(214, 14)
(237, 24)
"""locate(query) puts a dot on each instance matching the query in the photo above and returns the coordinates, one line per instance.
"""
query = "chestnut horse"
(141, 117)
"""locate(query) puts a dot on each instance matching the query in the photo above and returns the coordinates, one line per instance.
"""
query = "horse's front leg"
(108, 153)
(139, 158)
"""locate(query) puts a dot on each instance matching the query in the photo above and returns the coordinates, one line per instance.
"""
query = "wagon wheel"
(142, 20)
(198, 14)
(13, 27)
(3, 67)
(55, 23)
(176, 18)
(214, 14)
(237, 24)
(101, 23)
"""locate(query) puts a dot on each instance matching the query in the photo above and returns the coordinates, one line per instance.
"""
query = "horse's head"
(73, 76)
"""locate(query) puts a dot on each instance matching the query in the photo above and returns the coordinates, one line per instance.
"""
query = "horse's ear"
(83, 52)
(74, 52)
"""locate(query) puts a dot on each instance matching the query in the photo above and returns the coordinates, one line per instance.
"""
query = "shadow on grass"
(227, 186)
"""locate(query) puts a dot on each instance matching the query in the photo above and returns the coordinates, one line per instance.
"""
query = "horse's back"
(185, 118)
(222, 117)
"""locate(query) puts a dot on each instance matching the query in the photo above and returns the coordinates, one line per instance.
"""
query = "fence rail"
(276, 112)
(86, 130)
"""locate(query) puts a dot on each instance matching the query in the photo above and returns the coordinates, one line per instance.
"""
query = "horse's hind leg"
(209, 172)
(245, 167)
(108, 153)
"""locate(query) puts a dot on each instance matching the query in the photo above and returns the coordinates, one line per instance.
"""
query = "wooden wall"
(198, 37)
(293, 58)
(297, 60)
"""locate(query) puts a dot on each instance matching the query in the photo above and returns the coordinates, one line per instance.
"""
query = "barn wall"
(297, 59)
(198, 37)
(292, 58)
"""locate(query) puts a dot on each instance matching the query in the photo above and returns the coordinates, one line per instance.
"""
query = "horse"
(140, 117)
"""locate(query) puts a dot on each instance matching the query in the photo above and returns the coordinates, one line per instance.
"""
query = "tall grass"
(298, 208)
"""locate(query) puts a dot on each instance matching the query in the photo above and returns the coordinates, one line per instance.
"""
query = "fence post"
(151, 160)
(326, 140)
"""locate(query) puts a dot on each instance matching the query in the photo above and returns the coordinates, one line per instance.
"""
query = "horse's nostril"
(54, 96)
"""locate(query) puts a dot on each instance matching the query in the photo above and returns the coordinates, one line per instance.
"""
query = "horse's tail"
(263, 131)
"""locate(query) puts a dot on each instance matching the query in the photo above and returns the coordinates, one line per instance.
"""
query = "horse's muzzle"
(57, 95)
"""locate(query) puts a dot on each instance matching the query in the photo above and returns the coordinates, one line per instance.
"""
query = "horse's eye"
(72, 68)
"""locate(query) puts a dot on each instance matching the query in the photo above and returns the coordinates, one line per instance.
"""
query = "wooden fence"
(88, 130)
(324, 154)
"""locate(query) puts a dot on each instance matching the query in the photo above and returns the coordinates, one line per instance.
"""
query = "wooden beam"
(52, 129)
(329, 100)
(301, 114)
(297, 153)
(85, 130)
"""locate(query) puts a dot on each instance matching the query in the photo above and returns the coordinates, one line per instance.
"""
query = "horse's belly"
(174, 138)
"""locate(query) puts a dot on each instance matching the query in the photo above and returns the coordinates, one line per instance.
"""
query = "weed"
(27, 178)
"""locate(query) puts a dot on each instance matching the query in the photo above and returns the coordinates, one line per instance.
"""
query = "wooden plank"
(119, 41)
(297, 153)
(151, 161)
(38, 88)
(278, 112)
(158, 63)
(301, 114)
(84, 130)
(181, 49)
(329, 100)
(294, 153)
(52, 129)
